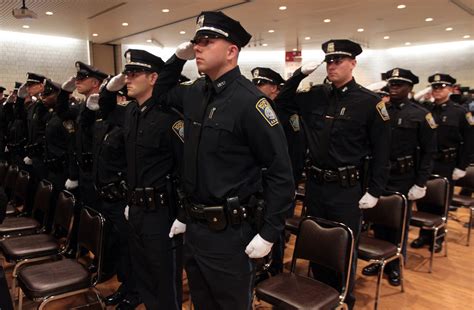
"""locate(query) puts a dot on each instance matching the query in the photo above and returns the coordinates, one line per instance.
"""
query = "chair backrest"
(42, 202)
(390, 212)
(436, 198)
(21, 186)
(3, 171)
(10, 179)
(64, 216)
(90, 236)
(468, 180)
(326, 243)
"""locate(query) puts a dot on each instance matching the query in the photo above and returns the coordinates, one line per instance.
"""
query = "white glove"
(367, 201)
(71, 184)
(117, 82)
(458, 174)
(258, 247)
(6, 149)
(93, 102)
(309, 67)
(416, 192)
(69, 85)
(177, 228)
(22, 92)
(125, 212)
(27, 161)
(185, 51)
(10, 99)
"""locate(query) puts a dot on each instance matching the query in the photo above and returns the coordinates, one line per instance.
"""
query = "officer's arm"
(267, 143)
(177, 143)
(427, 143)
(288, 100)
(379, 135)
(467, 149)
(165, 90)
(63, 108)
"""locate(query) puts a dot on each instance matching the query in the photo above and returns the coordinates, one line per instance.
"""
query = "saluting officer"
(345, 123)
(413, 127)
(454, 141)
(231, 134)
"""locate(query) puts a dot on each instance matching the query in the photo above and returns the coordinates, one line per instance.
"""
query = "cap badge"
(78, 66)
(128, 57)
(331, 47)
(395, 72)
(437, 78)
(200, 22)
(256, 73)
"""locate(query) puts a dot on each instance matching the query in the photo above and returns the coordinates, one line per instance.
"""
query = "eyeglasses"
(203, 41)
(82, 77)
(439, 86)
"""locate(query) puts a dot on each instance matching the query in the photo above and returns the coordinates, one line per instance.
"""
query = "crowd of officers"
(202, 173)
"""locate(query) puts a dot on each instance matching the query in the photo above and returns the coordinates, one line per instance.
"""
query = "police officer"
(153, 148)
(345, 123)
(413, 127)
(454, 141)
(231, 134)
(15, 111)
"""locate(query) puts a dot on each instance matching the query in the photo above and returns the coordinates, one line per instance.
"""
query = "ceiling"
(300, 26)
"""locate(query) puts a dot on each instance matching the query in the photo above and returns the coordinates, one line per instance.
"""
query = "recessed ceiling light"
(307, 38)
(386, 37)
(295, 49)
(429, 19)
(149, 40)
(282, 8)
(165, 10)
(401, 6)
(125, 24)
(264, 44)
(466, 36)
(407, 43)
(327, 20)
(95, 34)
(449, 29)
(182, 32)
(49, 13)
(360, 30)
(271, 31)
(25, 26)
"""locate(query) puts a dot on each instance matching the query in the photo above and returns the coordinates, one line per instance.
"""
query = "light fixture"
(149, 40)
(95, 34)
(307, 38)
(466, 36)
(295, 49)
(386, 37)
(401, 6)
(125, 24)
(327, 20)
(360, 30)
(407, 43)
(429, 19)
(449, 29)
(25, 26)
(271, 31)
(264, 44)
(282, 8)
(182, 32)
(165, 10)
(49, 13)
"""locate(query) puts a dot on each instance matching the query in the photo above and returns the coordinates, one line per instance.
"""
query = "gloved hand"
(117, 82)
(458, 174)
(177, 228)
(416, 192)
(6, 149)
(258, 247)
(10, 99)
(69, 85)
(93, 102)
(71, 184)
(125, 212)
(104, 83)
(27, 161)
(309, 67)
(185, 51)
(367, 201)
(22, 92)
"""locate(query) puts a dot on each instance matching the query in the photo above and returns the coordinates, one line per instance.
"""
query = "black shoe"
(437, 248)
(466, 225)
(418, 243)
(70, 253)
(371, 270)
(115, 298)
(394, 278)
(129, 303)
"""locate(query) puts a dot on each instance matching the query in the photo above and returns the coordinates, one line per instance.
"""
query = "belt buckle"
(327, 176)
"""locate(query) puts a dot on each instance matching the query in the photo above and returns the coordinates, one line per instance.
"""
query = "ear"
(153, 78)
(232, 51)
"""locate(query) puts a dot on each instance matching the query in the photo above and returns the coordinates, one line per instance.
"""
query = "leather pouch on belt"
(216, 218)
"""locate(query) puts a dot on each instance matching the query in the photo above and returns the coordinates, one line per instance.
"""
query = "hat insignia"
(200, 22)
(437, 78)
(78, 66)
(255, 73)
(331, 47)
(128, 57)
(395, 72)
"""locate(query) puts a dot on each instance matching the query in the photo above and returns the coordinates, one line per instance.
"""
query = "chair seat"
(291, 291)
(10, 209)
(462, 201)
(12, 224)
(371, 248)
(29, 246)
(53, 278)
(420, 219)
(292, 224)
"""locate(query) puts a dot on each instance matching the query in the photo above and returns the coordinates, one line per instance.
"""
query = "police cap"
(401, 75)
(441, 78)
(2, 89)
(50, 87)
(266, 75)
(140, 60)
(17, 85)
(85, 71)
(34, 78)
(340, 48)
(219, 25)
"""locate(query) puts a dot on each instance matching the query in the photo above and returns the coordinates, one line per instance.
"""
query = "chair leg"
(470, 225)
(402, 273)
(379, 283)
(446, 242)
(435, 232)
(20, 299)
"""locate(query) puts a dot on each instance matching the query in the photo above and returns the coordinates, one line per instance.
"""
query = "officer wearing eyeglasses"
(345, 123)
(454, 141)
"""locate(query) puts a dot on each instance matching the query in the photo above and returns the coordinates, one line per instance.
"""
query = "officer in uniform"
(411, 152)
(15, 111)
(344, 124)
(153, 147)
(454, 141)
(231, 134)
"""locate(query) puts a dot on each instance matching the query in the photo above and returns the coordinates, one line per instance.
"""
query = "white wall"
(53, 57)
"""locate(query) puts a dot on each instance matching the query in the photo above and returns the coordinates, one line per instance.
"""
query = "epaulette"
(367, 91)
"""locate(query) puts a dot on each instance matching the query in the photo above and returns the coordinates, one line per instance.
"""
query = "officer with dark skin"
(455, 141)
(344, 123)
(231, 134)
(412, 127)
(153, 139)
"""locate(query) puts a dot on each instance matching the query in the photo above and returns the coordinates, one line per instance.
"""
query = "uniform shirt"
(360, 126)
(413, 126)
(56, 137)
(37, 117)
(455, 126)
(240, 136)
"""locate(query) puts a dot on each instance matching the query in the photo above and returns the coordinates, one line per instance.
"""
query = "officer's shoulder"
(418, 108)
(192, 82)
(369, 94)
(248, 89)
(459, 107)
(313, 88)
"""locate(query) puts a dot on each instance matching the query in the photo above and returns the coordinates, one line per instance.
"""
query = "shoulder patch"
(429, 118)
(69, 125)
(178, 129)
(295, 122)
(470, 118)
(265, 109)
(382, 111)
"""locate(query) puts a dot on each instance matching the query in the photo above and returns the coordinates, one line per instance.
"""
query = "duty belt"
(402, 165)
(446, 155)
(113, 192)
(149, 198)
(56, 164)
(345, 176)
(34, 150)
(14, 147)
(85, 162)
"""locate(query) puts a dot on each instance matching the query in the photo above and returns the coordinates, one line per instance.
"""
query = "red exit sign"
(293, 56)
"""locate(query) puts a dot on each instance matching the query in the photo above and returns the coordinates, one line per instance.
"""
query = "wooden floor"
(450, 286)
